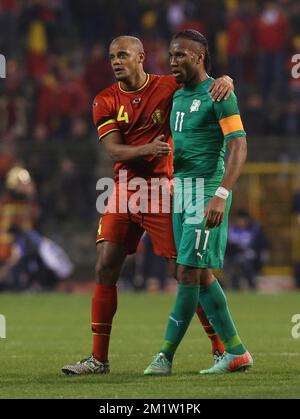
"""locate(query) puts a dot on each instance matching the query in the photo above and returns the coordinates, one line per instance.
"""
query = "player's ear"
(141, 57)
(200, 58)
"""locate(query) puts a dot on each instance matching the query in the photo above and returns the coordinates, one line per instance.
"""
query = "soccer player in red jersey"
(132, 119)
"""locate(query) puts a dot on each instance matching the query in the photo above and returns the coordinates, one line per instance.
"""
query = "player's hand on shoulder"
(214, 212)
(159, 147)
(221, 88)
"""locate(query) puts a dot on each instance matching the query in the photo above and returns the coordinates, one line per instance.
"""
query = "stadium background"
(56, 56)
(56, 52)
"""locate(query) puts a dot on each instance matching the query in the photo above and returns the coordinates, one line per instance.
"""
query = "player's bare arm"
(221, 88)
(215, 209)
(122, 153)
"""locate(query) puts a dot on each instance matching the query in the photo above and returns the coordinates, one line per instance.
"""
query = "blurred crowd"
(56, 56)
(56, 52)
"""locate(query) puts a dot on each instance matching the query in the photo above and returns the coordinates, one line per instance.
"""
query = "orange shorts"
(127, 229)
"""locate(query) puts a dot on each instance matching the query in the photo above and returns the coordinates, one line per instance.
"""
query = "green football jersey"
(200, 128)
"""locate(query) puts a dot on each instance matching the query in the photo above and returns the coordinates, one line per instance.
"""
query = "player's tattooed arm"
(221, 88)
(122, 153)
(216, 206)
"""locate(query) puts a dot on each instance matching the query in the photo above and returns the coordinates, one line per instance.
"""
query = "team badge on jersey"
(158, 116)
(195, 105)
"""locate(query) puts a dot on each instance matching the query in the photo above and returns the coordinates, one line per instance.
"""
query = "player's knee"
(187, 276)
(105, 273)
(172, 268)
(206, 278)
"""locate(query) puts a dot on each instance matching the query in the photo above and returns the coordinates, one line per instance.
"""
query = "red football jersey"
(140, 116)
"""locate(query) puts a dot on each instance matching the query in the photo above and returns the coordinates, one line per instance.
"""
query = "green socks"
(180, 318)
(214, 303)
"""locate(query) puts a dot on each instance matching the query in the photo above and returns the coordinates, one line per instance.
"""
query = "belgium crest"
(158, 117)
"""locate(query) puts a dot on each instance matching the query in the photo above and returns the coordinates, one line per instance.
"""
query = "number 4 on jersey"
(122, 116)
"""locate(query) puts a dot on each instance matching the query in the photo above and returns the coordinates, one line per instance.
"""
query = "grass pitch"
(44, 332)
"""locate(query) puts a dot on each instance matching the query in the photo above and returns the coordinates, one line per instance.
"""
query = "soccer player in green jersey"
(202, 130)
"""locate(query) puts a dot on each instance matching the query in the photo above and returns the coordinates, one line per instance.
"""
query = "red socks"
(104, 306)
(216, 342)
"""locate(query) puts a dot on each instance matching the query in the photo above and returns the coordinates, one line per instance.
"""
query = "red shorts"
(127, 229)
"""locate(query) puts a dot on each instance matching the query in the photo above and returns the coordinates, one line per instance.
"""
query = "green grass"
(46, 331)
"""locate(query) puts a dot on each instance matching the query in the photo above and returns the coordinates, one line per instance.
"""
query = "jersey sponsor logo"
(175, 321)
(158, 117)
(195, 105)
(136, 101)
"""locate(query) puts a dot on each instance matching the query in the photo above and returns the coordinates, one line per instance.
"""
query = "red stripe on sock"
(216, 343)
(104, 306)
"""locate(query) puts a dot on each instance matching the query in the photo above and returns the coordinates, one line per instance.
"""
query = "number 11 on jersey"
(198, 238)
(179, 121)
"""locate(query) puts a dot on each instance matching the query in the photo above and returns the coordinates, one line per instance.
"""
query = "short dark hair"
(196, 36)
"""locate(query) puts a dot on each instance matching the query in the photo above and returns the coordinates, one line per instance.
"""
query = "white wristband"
(222, 192)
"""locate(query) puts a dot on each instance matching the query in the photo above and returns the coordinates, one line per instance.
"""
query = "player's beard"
(122, 76)
(179, 77)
